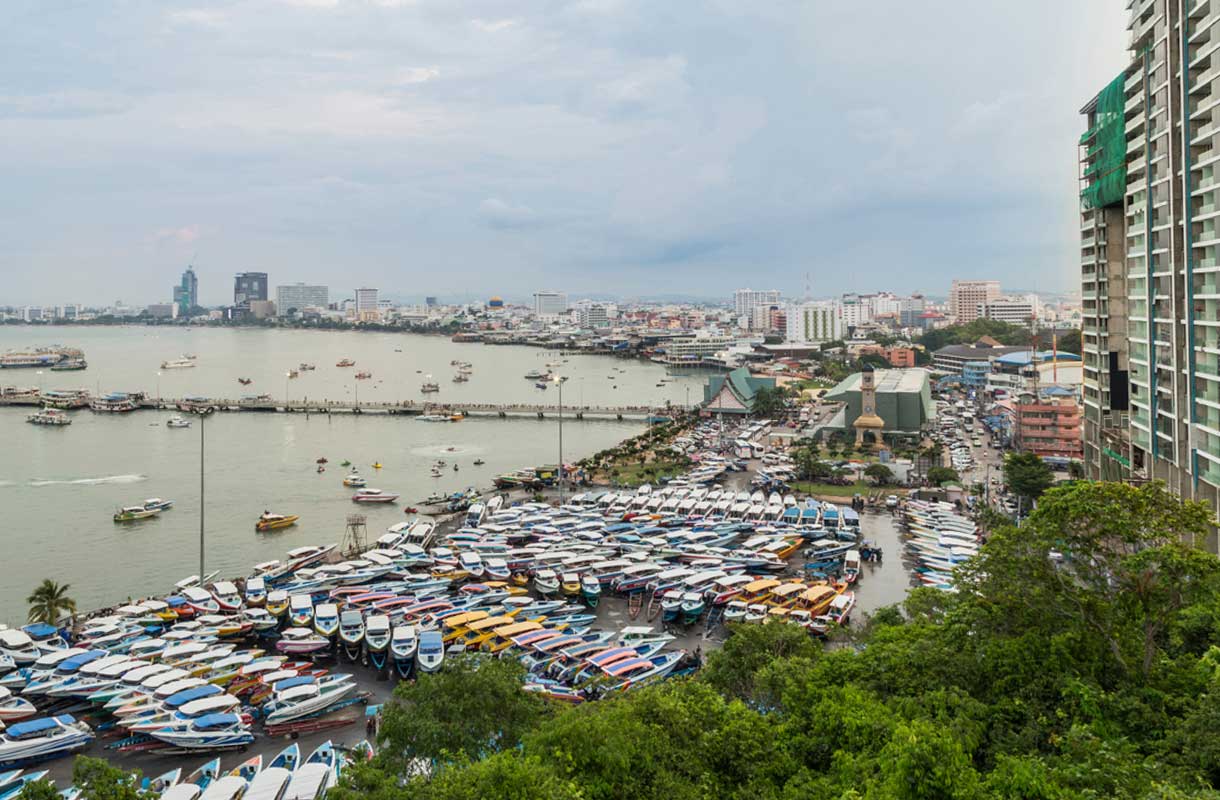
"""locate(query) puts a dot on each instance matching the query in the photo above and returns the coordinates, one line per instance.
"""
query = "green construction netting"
(1107, 175)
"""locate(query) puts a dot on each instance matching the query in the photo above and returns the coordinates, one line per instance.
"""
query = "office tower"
(810, 323)
(549, 304)
(186, 293)
(745, 300)
(965, 296)
(299, 296)
(249, 286)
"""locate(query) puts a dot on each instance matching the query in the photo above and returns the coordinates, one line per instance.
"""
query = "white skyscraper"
(746, 300)
(810, 323)
(550, 304)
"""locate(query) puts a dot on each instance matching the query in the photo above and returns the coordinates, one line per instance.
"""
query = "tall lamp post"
(158, 387)
(287, 377)
(203, 415)
(560, 381)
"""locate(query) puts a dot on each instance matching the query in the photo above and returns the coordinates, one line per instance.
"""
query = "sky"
(465, 148)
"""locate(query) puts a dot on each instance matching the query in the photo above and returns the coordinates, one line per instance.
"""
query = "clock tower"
(868, 421)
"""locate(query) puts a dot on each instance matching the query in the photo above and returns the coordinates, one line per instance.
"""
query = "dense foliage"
(50, 602)
(1003, 332)
(1027, 475)
(1077, 662)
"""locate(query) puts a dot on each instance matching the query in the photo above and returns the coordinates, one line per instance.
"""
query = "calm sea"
(59, 487)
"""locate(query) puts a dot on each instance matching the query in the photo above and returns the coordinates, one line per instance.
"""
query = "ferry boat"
(271, 522)
(65, 399)
(70, 365)
(49, 416)
(537, 374)
(178, 363)
(347, 362)
(115, 403)
(37, 358)
(430, 386)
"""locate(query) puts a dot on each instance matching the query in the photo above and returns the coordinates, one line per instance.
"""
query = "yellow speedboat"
(271, 522)
(377, 465)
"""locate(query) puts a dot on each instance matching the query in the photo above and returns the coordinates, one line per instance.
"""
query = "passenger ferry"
(115, 402)
(49, 416)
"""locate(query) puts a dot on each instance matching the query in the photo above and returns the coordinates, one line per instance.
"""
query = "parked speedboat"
(19, 646)
(296, 698)
(41, 739)
(300, 610)
(403, 646)
(256, 592)
(431, 653)
(377, 639)
(315, 776)
(326, 619)
(301, 640)
(14, 708)
(351, 633)
(209, 732)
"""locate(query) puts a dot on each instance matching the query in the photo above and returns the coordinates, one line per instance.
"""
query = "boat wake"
(442, 450)
(92, 481)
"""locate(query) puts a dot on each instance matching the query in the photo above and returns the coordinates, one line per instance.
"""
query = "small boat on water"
(373, 496)
(70, 365)
(478, 462)
(306, 367)
(429, 386)
(49, 416)
(292, 373)
(347, 362)
(178, 363)
(245, 381)
(363, 376)
(177, 422)
(355, 480)
(158, 503)
(135, 513)
(270, 522)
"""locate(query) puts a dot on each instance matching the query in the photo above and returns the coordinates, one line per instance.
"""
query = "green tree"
(769, 402)
(39, 790)
(733, 668)
(938, 476)
(879, 473)
(99, 780)
(473, 707)
(1027, 475)
(50, 602)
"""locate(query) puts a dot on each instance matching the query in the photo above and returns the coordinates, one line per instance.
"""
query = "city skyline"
(411, 145)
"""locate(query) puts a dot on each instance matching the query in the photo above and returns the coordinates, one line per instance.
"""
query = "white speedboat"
(178, 422)
(403, 645)
(326, 619)
(305, 696)
(14, 708)
(209, 732)
(19, 646)
(377, 639)
(351, 633)
(431, 652)
(300, 610)
(314, 777)
(301, 641)
(40, 739)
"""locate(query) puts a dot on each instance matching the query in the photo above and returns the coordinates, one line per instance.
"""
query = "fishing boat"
(40, 739)
(134, 513)
(403, 645)
(373, 496)
(178, 363)
(363, 376)
(49, 416)
(537, 374)
(461, 377)
(377, 640)
(429, 386)
(177, 422)
(270, 522)
(346, 362)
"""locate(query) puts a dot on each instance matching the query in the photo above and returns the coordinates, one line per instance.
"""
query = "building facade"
(300, 296)
(746, 300)
(550, 304)
(1011, 310)
(1049, 428)
(186, 293)
(1150, 255)
(813, 322)
(966, 296)
(367, 307)
(249, 286)
(592, 315)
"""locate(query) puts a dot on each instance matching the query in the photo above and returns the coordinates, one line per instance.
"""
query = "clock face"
(868, 409)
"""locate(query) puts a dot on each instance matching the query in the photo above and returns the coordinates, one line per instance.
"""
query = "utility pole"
(560, 381)
(202, 419)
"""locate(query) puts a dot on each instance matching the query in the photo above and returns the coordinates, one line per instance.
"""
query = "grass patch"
(831, 490)
(640, 473)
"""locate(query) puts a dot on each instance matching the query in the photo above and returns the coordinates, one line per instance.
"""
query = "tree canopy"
(50, 602)
(1027, 475)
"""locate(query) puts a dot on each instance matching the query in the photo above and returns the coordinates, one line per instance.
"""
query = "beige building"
(965, 297)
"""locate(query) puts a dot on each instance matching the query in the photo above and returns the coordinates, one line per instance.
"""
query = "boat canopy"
(300, 680)
(35, 727)
(40, 630)
(194, 693)
(182, 791)
(214, 721)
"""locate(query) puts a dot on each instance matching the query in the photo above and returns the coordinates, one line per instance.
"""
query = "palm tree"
(50, 602)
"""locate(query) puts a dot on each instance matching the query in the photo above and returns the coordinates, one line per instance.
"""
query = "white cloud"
(197, 17)
(493, 25)
(412, 75)
(502, 214)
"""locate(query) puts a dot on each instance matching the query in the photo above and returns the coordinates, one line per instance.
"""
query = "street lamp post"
(158, 387)
(203, 415)
(287, 376)
(560, 381)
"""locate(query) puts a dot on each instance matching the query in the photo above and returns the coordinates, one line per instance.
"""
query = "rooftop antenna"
(808, 288)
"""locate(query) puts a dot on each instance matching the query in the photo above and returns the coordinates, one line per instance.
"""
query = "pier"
(408, 408)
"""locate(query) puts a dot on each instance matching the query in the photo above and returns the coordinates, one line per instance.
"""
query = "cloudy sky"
(471, 147)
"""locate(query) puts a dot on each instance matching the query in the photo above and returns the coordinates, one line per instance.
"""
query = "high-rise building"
(367, 308)
(300, 296)
(1015, 311)
(965, 296)
(810, 323)
(592, 315)
(249, 286)
(1150, 256)
(910, 309)
(549, 304)
(745, 300)
(186, 293)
